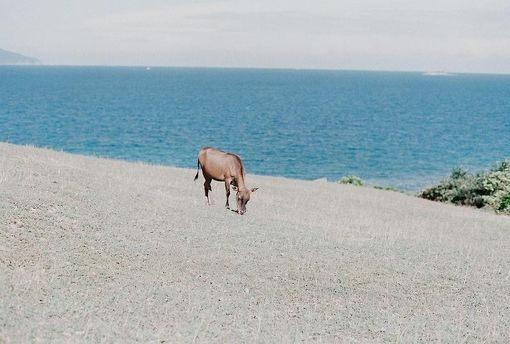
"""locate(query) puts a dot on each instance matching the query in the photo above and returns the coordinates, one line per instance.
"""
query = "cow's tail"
(198, 169)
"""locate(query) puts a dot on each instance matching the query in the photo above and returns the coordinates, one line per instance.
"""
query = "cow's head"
(242, 198)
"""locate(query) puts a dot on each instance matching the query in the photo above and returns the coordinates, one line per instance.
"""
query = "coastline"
(93, 249)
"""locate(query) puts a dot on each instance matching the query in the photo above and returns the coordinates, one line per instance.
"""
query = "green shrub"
(504, 206)
(482, 190)
(459, 173)
(353, 180)
(502, 166)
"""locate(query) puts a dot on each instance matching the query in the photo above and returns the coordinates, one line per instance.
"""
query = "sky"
(447, 35)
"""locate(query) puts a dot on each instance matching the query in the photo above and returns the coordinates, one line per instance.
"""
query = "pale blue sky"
(451, 35)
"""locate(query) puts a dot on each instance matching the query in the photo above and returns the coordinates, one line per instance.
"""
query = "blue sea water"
(394, 129)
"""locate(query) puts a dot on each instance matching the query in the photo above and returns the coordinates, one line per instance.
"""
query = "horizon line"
(451, 72)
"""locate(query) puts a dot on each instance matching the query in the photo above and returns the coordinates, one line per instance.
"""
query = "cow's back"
(218, 164)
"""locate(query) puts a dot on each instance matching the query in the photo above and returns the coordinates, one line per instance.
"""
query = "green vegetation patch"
(357, 181)
(490, 190)
(353, 180)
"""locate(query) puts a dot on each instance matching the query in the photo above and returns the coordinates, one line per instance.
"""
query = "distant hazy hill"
(8, 57)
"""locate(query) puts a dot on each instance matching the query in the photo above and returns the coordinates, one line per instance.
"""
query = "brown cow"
(224, 167)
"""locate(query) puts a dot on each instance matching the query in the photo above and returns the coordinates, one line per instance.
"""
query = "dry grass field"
(95, 250)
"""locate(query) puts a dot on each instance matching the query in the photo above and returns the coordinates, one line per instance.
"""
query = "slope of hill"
(10, 58)
(95, 250)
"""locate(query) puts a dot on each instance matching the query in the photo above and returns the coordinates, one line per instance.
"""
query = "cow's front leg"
(227, 192)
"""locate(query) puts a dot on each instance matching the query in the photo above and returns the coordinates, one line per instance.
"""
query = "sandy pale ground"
(93, 250)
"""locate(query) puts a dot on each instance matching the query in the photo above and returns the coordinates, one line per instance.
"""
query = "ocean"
(404, 130)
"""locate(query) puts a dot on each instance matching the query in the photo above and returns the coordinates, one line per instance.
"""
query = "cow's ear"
(234, 188)
(254, 189)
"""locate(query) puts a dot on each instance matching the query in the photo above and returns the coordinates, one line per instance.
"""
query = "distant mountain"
(10, 58)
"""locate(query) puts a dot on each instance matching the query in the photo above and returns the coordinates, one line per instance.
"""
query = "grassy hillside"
(95, 250)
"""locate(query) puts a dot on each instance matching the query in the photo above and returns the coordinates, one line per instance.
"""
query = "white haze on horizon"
(451, 35)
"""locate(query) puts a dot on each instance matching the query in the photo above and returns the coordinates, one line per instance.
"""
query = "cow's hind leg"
(227, 191)
(207, 188)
